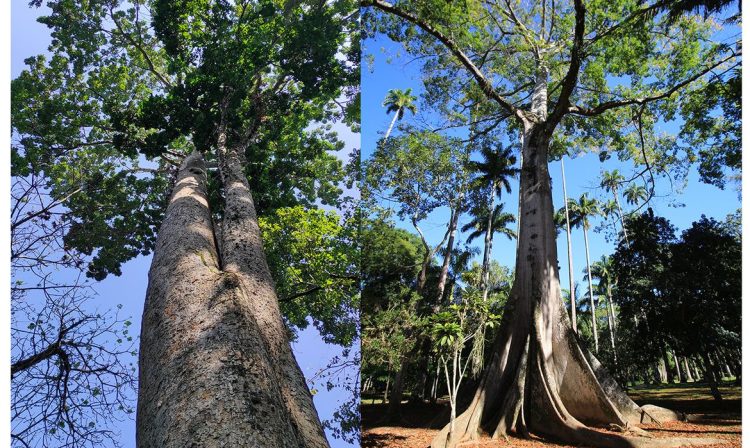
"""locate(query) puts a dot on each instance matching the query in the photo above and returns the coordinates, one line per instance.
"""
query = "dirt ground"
(720, 420)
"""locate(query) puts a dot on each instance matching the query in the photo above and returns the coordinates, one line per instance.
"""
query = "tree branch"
(483, 82)
(576, 55)
(140, 49)
(297, 295)
(603, 107)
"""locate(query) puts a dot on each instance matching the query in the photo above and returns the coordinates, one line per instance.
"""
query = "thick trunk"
(571, 283)
(242, 254)
(215, 363)
(591, 288)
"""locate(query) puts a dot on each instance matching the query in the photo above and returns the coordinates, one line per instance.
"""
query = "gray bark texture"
(538, 379)
(216, 368)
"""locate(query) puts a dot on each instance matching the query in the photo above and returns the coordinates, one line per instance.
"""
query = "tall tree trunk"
(573, 310)
(453, 227)
(387, 383)
(488, 244)
(680, 375)
(697, 369)
(591, 289)
(712, 375)
(215, 365)
(619, 210)
(667, 370)
(390, 127)
(611, 322)
(687, 369)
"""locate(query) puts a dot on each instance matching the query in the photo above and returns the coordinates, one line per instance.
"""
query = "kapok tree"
(569, 74)
(239, 84)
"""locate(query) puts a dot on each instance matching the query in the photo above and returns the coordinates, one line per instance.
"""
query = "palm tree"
(398, 101)
(603, 272)
(496, 169)
(482, 225)
(635, 193)
(610, 181)
(581, 211)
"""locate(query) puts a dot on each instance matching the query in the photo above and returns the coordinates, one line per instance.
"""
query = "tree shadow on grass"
(379, 440)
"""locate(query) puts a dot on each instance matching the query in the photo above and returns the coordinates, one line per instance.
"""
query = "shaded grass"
(691, 398)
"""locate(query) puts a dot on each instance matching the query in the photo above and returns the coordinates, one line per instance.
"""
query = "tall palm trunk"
(611, 321)
(573, 310)
(591, 289)
(619, 210)
(216, 368)
(488, 244)
(390, 127)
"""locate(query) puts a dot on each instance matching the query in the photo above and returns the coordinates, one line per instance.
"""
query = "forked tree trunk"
(215, 364)
(538, 379)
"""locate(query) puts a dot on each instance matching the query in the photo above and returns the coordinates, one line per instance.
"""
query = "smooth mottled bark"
(243, 256)
(215, 364)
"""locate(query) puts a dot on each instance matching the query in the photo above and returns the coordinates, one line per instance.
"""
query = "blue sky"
(29, 38)
(391, 68)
